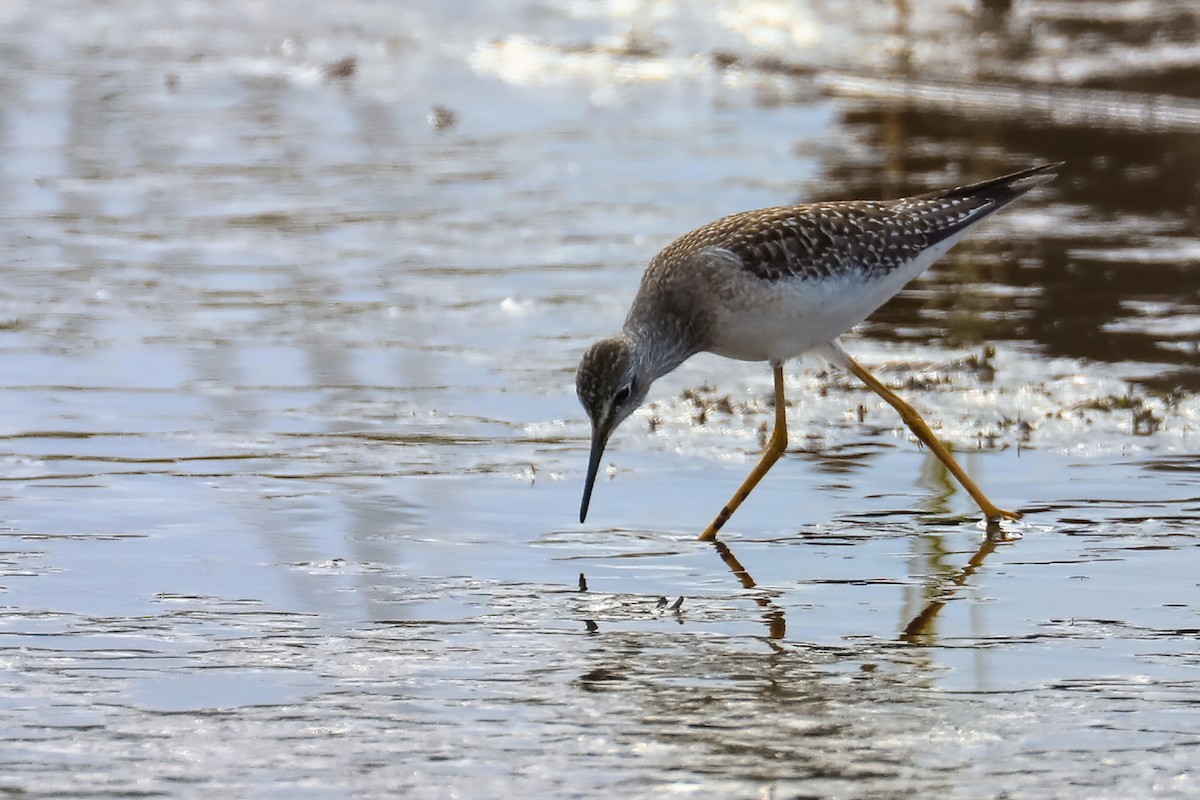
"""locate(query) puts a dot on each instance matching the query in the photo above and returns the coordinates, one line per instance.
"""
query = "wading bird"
(772, 284)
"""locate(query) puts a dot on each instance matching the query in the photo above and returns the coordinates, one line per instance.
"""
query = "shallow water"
(291, 458)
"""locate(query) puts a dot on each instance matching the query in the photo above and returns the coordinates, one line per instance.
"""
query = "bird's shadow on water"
(918, 630)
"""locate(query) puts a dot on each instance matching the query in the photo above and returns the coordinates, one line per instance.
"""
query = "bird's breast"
(774, 321)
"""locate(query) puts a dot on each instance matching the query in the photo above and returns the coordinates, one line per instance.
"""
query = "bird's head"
(610, 383)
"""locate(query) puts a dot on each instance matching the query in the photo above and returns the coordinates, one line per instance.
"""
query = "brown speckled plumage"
(866, 237)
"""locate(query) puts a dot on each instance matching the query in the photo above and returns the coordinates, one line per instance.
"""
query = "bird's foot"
(995, 514)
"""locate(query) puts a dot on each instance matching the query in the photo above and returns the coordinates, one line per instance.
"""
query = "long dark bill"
(599, 439)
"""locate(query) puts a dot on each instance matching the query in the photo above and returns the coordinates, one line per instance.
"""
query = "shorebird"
(772, 284)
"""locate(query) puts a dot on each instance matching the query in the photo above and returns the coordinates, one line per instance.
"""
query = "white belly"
(758, 320)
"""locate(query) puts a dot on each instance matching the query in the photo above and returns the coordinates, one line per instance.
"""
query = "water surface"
(292, 459)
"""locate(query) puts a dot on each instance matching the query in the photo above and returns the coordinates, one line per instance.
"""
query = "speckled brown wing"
(866, 239)
(863, 239)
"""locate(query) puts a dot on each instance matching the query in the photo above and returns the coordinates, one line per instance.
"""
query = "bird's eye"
(622, 394)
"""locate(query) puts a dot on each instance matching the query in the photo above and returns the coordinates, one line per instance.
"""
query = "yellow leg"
(775, 447)
(913, 420)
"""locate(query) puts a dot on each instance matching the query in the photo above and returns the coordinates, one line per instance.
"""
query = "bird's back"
(772, 283)
(858, 238)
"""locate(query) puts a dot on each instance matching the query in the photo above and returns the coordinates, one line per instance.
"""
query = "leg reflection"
(776, 622)
(920, 626)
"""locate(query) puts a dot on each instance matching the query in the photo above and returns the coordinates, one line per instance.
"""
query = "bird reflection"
(776, 622)
(917, 629)
(920, 627)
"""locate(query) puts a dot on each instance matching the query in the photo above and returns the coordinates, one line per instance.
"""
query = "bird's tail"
(1004, 189)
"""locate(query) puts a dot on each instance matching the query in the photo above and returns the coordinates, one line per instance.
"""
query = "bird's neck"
(660, 345)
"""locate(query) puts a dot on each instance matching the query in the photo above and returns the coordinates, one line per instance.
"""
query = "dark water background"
(291, 305)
